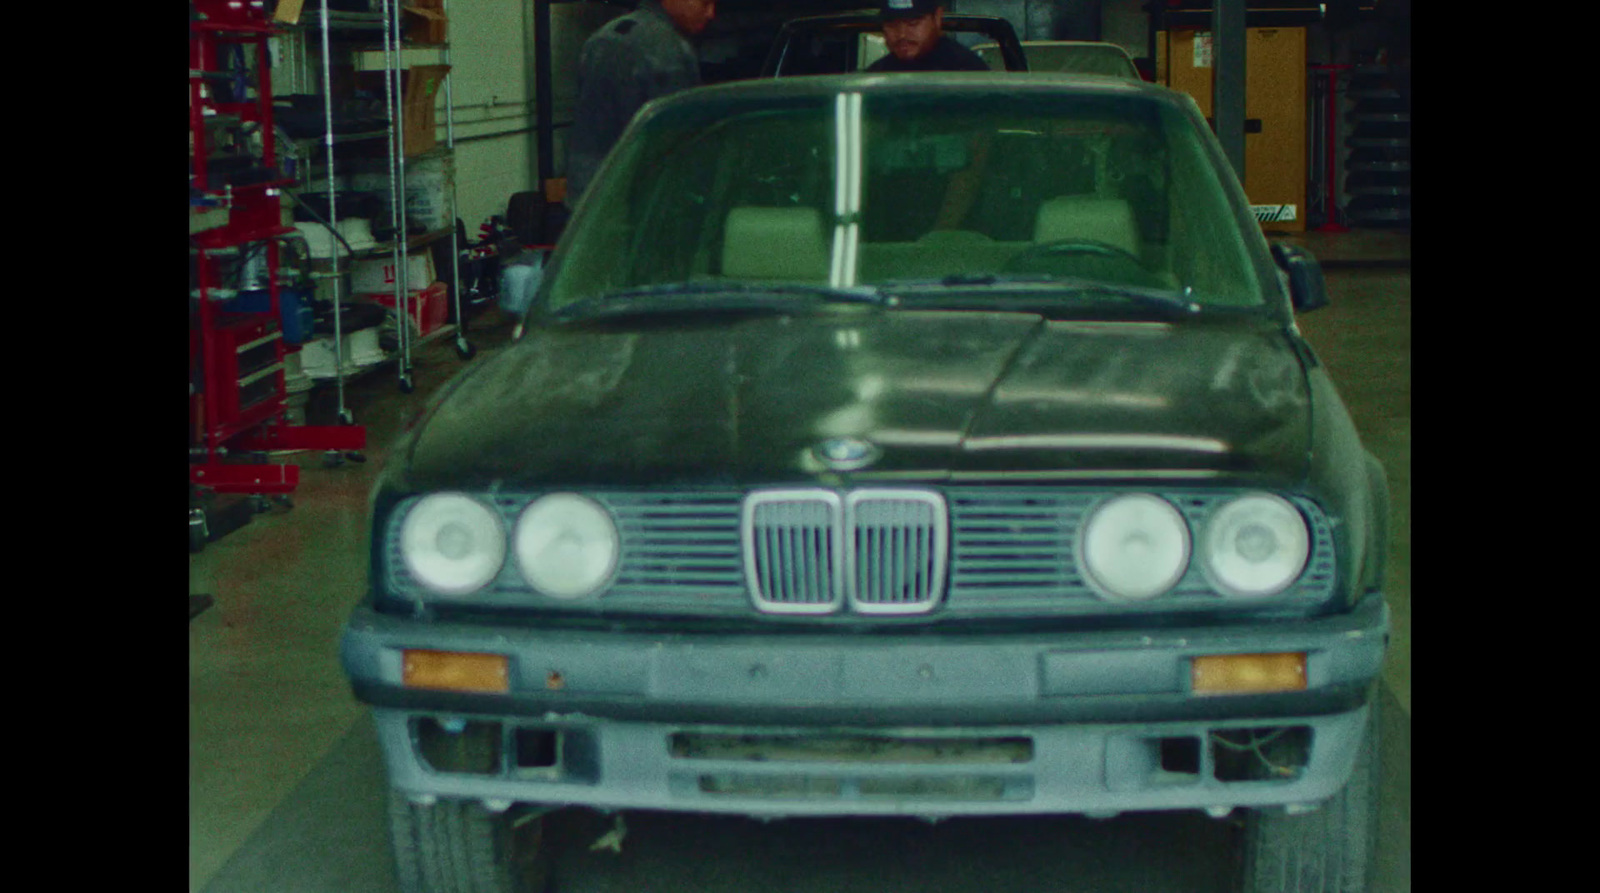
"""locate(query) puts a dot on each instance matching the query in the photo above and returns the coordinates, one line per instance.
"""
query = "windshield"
(908, 190)
(1106, 60)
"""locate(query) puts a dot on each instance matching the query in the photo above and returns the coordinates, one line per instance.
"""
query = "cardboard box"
(429, 307)
(288, 11)
(424, 21)
(430, 183)
(418, 98)
(419, 94)
(372, 276)
(1275, 151)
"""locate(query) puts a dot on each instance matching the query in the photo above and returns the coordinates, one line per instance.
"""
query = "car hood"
(940, 395)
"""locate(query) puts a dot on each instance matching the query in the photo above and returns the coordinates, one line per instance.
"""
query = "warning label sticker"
(1202, 49)
(1273, 213)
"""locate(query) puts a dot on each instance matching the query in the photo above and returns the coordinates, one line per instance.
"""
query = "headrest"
(774, 243)
(1108, 220)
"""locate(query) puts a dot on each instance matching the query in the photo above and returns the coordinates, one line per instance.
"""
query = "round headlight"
(452, 544)
(1255, 546)
(566, 545)
(1134, 547)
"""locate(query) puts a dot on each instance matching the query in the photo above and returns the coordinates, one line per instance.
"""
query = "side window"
(870, 48)
(823, 53)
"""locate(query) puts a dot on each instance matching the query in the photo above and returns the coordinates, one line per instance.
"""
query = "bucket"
(253, 268)
(428, 187)
(293, 258)
(518, 282)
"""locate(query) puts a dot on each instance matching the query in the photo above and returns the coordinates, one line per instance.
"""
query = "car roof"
(870, 16)
(925, 82)
(1072, 43)
(1063, 43)
(998, 28)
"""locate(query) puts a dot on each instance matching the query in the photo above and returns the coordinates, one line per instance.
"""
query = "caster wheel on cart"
(199, 534)
(356, 456)
(260, 505)
(465, 349)
(332, 459)
(346, 417)
(285, 501)
(406, 386)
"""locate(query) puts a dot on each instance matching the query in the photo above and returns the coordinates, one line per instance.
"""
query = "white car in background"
(1074, 56)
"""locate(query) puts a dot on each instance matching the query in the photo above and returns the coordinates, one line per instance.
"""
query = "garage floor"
(286, 783)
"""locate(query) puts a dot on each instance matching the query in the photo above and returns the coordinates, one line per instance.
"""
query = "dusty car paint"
(943, 393)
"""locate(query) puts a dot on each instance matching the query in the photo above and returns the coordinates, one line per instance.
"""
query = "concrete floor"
(286, 783)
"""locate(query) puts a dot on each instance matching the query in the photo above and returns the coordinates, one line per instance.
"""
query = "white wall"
(492, 48)
(493, 106)
(492, 103)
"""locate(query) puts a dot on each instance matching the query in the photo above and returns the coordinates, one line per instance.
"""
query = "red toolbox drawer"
(247, 375)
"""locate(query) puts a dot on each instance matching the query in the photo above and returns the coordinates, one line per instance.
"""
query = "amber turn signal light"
(456, 671)
(1228, 674)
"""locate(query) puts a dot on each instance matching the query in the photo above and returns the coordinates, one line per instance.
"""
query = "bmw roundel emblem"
(847, 453)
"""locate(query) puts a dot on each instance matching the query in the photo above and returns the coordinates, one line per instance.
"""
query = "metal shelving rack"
(351, 34)
(1378, 167)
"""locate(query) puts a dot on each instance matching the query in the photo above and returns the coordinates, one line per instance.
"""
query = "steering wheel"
(1026, 260)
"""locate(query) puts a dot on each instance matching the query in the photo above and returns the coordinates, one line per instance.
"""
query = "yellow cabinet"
(1274, 110)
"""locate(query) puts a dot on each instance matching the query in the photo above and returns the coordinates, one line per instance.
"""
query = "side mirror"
(1307, 290)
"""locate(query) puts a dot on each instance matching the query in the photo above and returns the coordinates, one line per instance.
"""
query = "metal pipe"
(496, 135)
(397, 180)
(1228, 85)
(333, 211)
(1330, 98)
(495, 104)
(450, 141)
(521, 116)
(542, 95)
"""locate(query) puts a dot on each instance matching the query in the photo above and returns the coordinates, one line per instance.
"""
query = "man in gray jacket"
(627, 63)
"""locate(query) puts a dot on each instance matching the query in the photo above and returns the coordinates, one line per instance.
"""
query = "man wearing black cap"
(914, 32)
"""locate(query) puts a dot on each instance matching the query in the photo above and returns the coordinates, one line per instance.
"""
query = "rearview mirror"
(1307, 289)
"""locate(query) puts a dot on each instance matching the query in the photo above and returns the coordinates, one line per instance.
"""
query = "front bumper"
(1096, 722)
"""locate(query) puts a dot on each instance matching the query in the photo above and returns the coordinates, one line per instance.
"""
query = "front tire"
(458, 846)
(1329, 850)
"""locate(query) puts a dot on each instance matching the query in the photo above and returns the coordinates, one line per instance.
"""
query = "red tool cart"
(237, 398)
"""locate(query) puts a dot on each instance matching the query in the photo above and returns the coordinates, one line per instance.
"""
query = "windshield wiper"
(1161, 298)
(720, 297)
